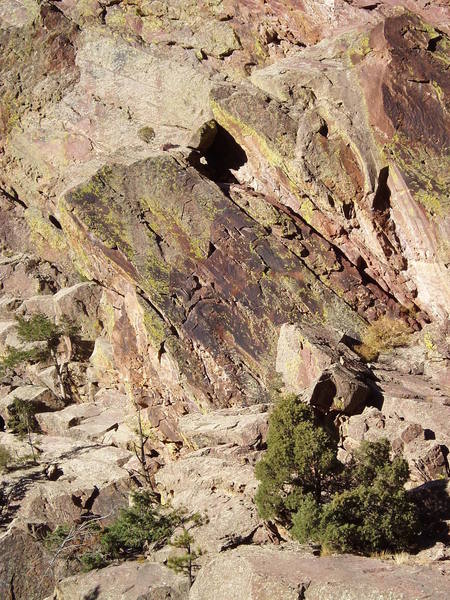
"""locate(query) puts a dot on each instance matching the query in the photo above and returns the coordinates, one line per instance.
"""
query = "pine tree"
(23, 422)
(376, 514)
(300, 460)
(185, 563)
(39, 328)
(362, 507)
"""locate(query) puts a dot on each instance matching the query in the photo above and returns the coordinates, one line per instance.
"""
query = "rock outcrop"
(225, 197)
(128, 581)
(266, 573)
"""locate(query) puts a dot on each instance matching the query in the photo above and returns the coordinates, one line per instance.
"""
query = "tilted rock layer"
(225, 195)
(318, 196)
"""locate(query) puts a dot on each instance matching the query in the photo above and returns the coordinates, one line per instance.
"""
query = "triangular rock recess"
(231, 200)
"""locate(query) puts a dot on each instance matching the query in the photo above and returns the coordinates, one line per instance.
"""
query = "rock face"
(128, 581)
(225, 196)
(266, 573)
(424, 455)
(217, 481)
(306, 209)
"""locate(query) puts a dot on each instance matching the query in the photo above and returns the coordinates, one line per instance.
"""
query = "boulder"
(425, 456)
(25, 572)
(42, 304)
(265, 573)
(6, 328)
(219, 485)
(106, 420)
(433, 413)
(338, 389)
(236, 426)
(41, 397)
(19, 276)
(71, 479)
(79, 304)
(8, 306)
(128, 581)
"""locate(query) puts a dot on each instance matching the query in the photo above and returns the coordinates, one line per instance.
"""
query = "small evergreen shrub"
(94, 546)
(362, 507)
(142, 523)
(5, 458)
(186, 563)
(300, 460)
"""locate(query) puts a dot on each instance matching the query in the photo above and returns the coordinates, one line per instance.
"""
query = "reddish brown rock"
(19, 577)
(426, 457)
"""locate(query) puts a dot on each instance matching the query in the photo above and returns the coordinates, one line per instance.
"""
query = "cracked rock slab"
(127, 581)
(265, 573)
(241, 427)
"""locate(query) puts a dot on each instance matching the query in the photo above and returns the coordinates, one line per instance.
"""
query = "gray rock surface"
(266, 573)
(220, 486)
(127, 581)
(238, 426)
(108, 419)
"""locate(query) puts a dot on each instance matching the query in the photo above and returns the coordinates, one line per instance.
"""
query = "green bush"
(301, 485)
(94, 546)
(300, 460)
(93, 560)
(376, 515)
(5, 457)
(13, 358)
(22, 418)
(142, 523)
(55, 538)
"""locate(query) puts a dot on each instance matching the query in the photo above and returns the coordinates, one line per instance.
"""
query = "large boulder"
(127, 581)
(426, 457)
(25, 570)
(338, 389)
(42, 399)
(219, 485)
(265, 573)
(78, 304)
(238, 426)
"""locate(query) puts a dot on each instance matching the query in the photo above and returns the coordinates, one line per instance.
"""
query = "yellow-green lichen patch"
(428, 341)
(156, 328)
(358, 48)
(430, 202)
(306, 211)
(44, 234)
(426, 172)
(97, 206)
